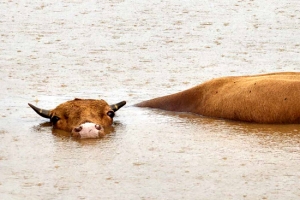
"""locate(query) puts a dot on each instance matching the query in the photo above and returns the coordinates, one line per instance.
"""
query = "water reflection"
(42, 127)
(283, 136)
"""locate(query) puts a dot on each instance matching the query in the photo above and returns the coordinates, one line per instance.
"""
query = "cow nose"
(78, 129)
(98, 127)
(88, 130)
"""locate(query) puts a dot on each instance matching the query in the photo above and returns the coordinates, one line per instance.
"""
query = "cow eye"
(54, 119)
(111, 114)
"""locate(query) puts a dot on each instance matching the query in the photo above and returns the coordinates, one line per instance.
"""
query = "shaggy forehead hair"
(80, 105)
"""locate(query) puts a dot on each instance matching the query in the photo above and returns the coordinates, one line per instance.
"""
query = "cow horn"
(41, 112)
(117, 106)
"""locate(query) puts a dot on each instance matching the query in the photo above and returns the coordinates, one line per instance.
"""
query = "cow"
(272, 98)
(83, 118)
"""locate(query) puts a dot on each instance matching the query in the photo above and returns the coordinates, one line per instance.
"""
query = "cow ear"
(117, 106)
(54, 119)
(111, 114)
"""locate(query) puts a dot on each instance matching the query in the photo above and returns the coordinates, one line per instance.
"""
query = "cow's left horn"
(117, 106)
(41, 112)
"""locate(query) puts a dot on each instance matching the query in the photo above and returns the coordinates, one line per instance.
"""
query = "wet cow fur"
(266, 98)
(84, 118)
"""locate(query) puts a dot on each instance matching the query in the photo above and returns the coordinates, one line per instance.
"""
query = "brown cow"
(266, 98)
(84, 118)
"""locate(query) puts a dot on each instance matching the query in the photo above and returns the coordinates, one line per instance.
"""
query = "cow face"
(84, 118)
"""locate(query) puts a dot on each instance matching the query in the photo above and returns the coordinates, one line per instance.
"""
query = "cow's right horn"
(41, 112)
(117, 106)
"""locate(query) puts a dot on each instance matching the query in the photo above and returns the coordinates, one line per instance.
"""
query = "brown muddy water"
(53, 51)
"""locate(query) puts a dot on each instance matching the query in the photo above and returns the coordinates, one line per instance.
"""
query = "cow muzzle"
(88, 130)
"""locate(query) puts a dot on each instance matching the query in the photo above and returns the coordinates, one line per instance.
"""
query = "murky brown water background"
(53, 51)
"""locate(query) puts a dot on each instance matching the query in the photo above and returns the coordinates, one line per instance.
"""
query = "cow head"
(84, 118)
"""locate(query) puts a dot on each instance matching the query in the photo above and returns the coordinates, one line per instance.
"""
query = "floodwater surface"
(54, 51)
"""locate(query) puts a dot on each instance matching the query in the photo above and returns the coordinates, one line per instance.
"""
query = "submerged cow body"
(265, 98)
(84, 118)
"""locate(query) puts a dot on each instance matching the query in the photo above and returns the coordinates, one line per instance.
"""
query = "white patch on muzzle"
(88, 130)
